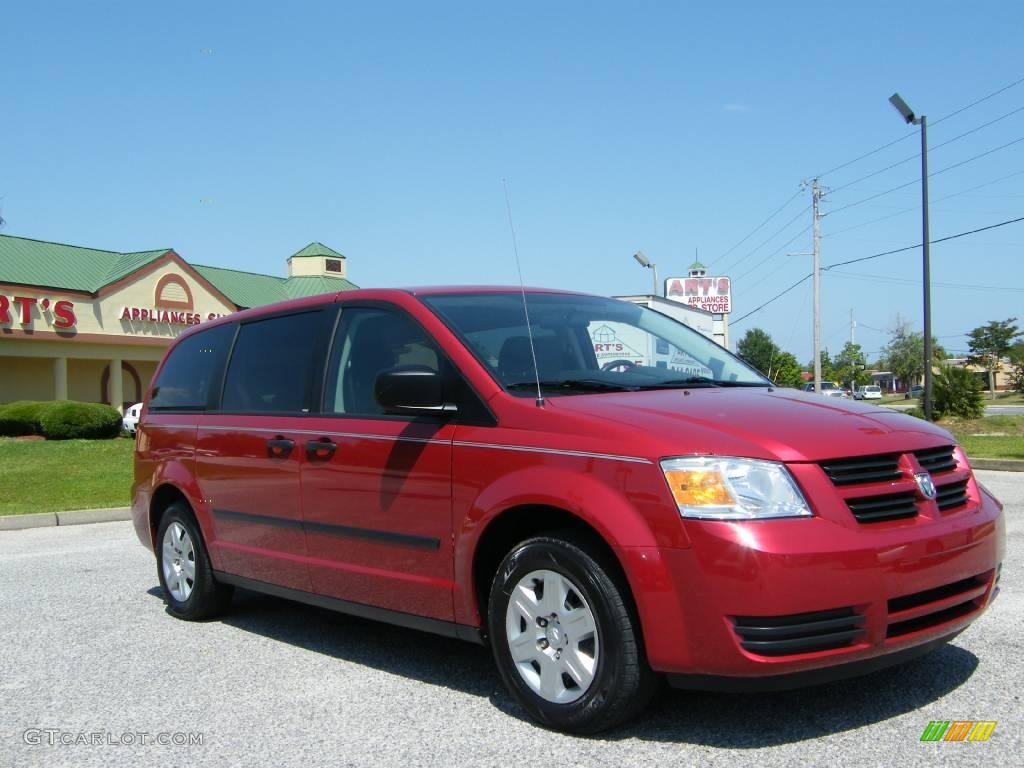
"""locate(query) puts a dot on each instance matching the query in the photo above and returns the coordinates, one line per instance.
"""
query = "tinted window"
(186, 377)
(370, 341)
(271, 364)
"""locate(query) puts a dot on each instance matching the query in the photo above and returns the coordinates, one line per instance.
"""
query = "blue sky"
(384, 130)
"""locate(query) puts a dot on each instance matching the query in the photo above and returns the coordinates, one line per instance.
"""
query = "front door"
(376, 488)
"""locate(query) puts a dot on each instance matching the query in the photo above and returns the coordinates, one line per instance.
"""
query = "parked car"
(130, 421)
(432, 459)
(916, 391)
(828, 389)
(869, 392)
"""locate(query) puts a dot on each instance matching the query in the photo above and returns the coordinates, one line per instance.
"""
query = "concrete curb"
(74, 517)
(1003, 465)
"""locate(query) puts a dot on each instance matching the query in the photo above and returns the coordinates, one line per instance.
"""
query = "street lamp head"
(901, 106)
(642, 260)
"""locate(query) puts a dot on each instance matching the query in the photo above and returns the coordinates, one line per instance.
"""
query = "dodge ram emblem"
(924, 482)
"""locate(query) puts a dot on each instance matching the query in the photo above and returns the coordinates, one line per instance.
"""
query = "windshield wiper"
(580, 385)
(689, 381)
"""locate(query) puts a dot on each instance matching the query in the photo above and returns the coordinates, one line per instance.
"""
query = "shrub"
(21, 418)
(69, 420)
(957, 392)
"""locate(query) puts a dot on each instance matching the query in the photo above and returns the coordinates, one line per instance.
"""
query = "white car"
(131, 418)
(828, 389)
(870, 392)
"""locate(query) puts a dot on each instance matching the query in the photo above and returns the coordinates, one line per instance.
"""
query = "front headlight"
(725, 488)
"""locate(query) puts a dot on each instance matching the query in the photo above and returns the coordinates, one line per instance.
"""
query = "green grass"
(991, 437)
(57, 475)
(990, 447)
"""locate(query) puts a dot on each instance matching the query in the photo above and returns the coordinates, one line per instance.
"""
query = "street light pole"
(643, 261)
(927, 270)
(908, 115)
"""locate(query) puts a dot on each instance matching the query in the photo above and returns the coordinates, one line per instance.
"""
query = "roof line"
(239, 271)
(84, 247)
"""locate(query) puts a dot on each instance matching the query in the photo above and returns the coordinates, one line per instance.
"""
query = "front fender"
(644, 524)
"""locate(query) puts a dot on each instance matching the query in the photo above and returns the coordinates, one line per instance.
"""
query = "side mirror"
(411, 390)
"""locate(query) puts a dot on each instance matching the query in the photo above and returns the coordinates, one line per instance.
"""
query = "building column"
(116, 385)
(60, 378)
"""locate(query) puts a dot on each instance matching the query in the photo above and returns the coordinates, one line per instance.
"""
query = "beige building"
(84, 324)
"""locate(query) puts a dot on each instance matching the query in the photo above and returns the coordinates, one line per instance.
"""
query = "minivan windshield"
(586, 344)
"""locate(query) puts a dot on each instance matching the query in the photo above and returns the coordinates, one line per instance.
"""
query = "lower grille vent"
(799, 632)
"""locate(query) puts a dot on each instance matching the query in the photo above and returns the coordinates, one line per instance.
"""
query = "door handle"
(279, 447)
(320, 450)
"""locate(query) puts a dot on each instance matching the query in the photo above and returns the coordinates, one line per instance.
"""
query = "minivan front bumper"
(803, 600)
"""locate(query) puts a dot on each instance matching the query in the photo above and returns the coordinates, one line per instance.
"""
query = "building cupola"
(317, 260)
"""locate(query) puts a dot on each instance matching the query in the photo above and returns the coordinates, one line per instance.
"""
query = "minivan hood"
(752, 421)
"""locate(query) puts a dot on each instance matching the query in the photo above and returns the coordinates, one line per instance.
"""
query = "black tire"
(622, 683)
(207, 597)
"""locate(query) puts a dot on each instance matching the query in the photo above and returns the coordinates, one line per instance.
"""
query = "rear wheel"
(565, 637)
(184, 569)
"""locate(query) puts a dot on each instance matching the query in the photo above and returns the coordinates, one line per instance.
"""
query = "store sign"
(23, 310)
(712, 294)
(165, 316)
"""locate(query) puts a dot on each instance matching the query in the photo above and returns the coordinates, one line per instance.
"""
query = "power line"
(917, 208)
(782, 293)
(767, 240)
(930, 175)
(931, 149)
(935, 284)
(774, 298)
(932, 242)
(774, 253)
(979, 101)
(915, 133)
(754, 231)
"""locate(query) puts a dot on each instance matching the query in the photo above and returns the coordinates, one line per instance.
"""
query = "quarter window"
(271, 364)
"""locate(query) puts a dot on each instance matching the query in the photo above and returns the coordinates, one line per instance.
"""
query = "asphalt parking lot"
(87, 648)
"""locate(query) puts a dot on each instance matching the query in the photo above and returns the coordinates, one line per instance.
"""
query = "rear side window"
(271, 364)
(190, 371)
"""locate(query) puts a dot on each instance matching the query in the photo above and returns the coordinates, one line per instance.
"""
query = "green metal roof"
(248, 289)
(698, 265)
(71, 267)
(316, 249)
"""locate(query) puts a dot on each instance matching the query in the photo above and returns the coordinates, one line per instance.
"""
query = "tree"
(989, 344)
(828, 371)
(786, 372)
(958, 393)
(758, 349)
(904, 355)
(849, 366)
(1016, 355)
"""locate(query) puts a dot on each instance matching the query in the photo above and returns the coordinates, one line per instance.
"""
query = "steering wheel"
(611, 365)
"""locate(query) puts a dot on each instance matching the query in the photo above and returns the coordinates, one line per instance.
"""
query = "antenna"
(522, 288)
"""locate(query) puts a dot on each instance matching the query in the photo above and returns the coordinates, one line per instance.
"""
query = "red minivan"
(599, 493)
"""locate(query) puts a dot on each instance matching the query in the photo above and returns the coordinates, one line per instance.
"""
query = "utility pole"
(853, 328)
(815, 200)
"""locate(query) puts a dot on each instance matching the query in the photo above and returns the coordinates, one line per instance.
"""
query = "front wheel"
(565, 636)
(184, 569)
